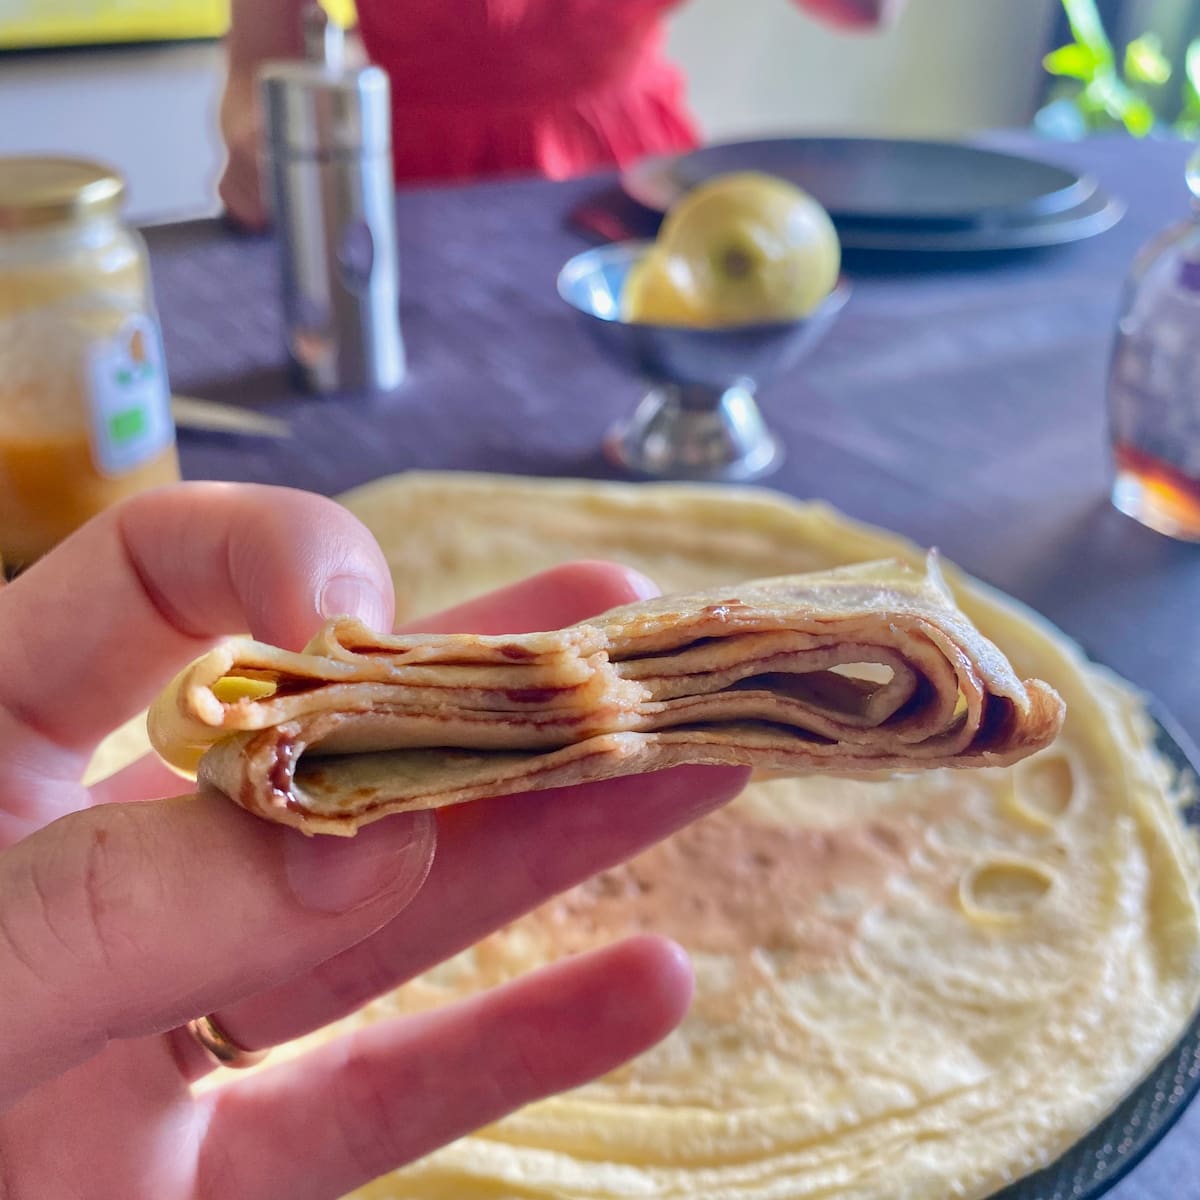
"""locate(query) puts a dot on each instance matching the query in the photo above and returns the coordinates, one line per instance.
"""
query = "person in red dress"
(491, 87)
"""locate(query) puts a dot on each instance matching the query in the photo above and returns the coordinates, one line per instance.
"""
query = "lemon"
(652, 294)
(739, 249)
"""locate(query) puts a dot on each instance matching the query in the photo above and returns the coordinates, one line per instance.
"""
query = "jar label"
(130, 400)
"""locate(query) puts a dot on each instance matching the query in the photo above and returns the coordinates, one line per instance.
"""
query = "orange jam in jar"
(85, 414)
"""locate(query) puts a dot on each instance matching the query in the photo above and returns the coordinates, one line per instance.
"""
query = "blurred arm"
(259, 30)
(262, 29)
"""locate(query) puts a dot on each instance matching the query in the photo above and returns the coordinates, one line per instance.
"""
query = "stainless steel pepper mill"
(329, 172)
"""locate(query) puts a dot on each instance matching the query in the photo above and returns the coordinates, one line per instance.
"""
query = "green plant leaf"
(1074, 60)
(1107, 92)
(1191, 65)
(1138, 117)
(1087, 28)
(1109, 95)
(1187, 122)
(1145, 61)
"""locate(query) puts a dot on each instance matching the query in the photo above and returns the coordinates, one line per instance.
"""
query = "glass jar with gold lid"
(85, 417)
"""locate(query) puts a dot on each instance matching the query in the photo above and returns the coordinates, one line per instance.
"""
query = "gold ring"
(220, 1047)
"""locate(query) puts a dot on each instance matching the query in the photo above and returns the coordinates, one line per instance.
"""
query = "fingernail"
(354, 596)
(388, 858)
(644, 588)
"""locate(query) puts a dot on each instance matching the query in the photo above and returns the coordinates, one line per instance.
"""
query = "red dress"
(553, 87)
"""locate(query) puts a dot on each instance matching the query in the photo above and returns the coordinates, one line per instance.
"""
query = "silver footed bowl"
(699, 420)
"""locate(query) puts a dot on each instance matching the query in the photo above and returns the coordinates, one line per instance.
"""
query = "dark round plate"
(651, 184)
(1098, 213)
(876, 179)
(1105, 1156)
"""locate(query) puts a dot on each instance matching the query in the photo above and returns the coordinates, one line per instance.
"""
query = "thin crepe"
(863, 668)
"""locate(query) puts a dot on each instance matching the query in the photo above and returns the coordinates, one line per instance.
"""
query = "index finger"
(552, 599)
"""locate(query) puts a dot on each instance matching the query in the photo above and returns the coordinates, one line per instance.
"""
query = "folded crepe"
(859, 669)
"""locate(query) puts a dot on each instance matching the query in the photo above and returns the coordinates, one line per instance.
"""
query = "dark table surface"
(957, 401)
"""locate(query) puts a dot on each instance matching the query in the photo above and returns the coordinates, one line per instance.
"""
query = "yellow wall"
(28, 23)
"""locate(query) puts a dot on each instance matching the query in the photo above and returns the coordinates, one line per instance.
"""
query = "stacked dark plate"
(895, 195)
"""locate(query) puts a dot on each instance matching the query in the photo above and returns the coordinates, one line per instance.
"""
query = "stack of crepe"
(910, 985)
(868, 668)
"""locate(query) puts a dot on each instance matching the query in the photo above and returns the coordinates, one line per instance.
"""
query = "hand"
(240, 185)
(856, 14)
(121, 917)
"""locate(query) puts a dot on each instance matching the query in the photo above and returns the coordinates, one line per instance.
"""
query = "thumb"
(152, 583)
(130, 919)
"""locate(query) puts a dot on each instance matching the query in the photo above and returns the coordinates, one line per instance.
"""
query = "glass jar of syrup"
(1154, 381)
(85, 416)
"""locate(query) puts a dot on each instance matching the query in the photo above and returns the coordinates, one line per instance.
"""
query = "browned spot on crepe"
(729, 883)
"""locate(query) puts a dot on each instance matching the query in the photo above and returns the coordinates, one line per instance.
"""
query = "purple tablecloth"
(958, 402)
